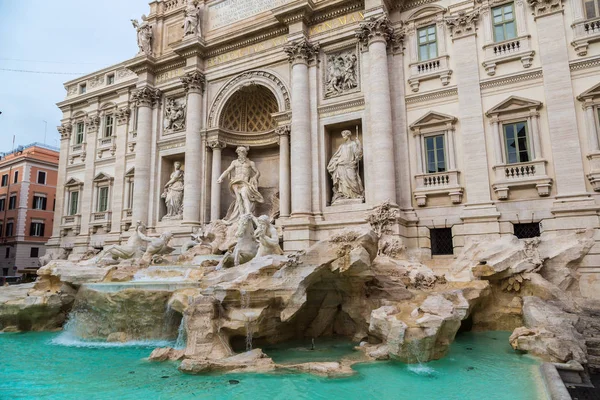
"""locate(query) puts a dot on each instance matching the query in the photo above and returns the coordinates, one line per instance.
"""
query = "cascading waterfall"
(245, 304)
(420, 368)
(181, 341)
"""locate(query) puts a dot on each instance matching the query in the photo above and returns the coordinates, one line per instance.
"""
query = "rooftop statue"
(343, 167)
(191, 23)
(243, 184)
(144, 35)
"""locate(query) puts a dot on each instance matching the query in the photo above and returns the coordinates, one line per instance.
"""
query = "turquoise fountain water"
(55, 366)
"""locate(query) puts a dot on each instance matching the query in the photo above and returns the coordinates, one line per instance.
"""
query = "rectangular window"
(435, 154)
(37, 229)
(5, 180)
(7, 255)
(441, 241)
(41, 178)
(16, 178)
(79, 133)
(516, 142)
(39, 203)
(102, 199)
(130, 197)
(12, 202)
(110, 79)
(527, 231)
(592, 8)
(504, 22)
(427, 41)
(34, 252)
(2, 203)
(82, 88)
(73, 203)
(9, 229)
(108, 125)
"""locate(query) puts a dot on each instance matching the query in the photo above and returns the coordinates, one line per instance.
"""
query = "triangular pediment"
(102, 177)
(432, 118)
(513, 104)
(590, 93)
(73, 182)
(131, 172)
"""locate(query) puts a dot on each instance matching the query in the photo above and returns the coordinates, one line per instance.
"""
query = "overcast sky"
(74, 36)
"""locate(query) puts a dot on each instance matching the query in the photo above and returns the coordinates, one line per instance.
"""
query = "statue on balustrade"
(344, 170)
(144, 35)
(173, 194)
(243, 183)
(191, 23)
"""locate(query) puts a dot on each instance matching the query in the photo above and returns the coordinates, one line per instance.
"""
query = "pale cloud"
(76, 35)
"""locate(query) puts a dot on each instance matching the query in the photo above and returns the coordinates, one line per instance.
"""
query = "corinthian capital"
(375, 29)
(545, 7)
(146, 96)
(93, 123)
(123, 115)
(65, 131)
(463, 24)
(301, 51)
(193, 81)
(283, 130)
(216, 144)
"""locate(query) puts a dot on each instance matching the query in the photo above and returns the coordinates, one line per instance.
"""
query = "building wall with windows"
(26, 221)
(477, 118)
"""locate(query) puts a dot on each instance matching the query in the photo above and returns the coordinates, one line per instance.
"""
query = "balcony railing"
(430, 69)
(585, 32)
(506, 51)
(173, 4)
(441, 183)
(102, 216)
(127, 214)
(78, 148)
(106, 141)
(530, 174)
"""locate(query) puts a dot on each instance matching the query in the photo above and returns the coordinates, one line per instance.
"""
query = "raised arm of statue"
(226, 173)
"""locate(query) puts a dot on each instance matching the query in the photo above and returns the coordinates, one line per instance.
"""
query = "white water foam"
(67, 339)
(420, 369)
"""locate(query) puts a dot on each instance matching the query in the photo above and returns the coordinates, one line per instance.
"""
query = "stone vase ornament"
(173, 194)
(344, 170)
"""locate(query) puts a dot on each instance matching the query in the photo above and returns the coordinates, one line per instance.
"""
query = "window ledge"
(100, 218)
(441, 183)
(431, 69)
(127, 214)
(585, 32)
(530, 174)
(518, 48)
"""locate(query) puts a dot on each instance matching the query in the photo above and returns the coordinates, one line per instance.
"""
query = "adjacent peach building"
(27, 196)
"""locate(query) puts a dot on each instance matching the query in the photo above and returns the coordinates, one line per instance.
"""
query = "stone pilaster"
(284, 170)
(215, 188)
(375, 34)
(118, 190)
(560, 99)
(65, 142)
(300, 53)
(193, 82)
(145, 99)
(87, 195)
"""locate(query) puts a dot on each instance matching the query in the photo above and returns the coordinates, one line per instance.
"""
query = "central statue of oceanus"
(243, 183)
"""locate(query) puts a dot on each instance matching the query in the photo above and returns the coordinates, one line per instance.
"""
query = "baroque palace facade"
(473, 118)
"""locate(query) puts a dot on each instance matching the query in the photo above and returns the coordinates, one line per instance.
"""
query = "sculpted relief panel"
(174, 115)
(341, 73)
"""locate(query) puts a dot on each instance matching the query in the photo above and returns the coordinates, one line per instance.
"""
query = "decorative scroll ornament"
(144, 35)
(146, 96)
(194, 80)
(375, 29)
(174, 116)
(341, 73)
(65, 131)
(301, 51)
(544, 7)
(123, 116)
(93, 123)
(463, 24)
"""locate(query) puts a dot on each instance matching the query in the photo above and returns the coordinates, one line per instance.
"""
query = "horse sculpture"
(246, 247)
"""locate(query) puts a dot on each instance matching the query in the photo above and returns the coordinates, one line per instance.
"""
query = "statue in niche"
(144, 35)
(191, 23)
(267, 237)
(343, 167)
(173, 194)
(243, 184)
(342, 73)
(174, 116)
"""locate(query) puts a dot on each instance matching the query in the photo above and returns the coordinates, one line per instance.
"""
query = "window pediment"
(427, 12)
(433, 120)
(71, 183)
(130, 173)
(514, 104)
(591, 94)
(102, 177)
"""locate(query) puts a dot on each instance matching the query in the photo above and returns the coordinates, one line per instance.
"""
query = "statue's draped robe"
(343, 168)
(174, 195)
(251, 189)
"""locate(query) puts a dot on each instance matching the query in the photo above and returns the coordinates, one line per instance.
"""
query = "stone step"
(593, 351)
(592, 342)
(593, 361)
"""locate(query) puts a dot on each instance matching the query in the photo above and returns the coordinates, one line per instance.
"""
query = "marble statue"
(173, 194)
(134, 247)
(267, 237)
(191, 23)
(157, 246)
(342, 73)
(343, 167)
(243, 184)
(144, 35)
(174, 116)
(246, 246)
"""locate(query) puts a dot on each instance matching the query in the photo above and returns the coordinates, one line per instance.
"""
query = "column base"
(191, 223)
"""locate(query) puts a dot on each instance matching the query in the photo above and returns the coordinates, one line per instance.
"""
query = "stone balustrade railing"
(441, 183)
(173, 4)
(106, 141)
(430, 69)
(103, 216)
(586, 32)
(532, 174)
(508, 50)
(71, 220)
(78, 148)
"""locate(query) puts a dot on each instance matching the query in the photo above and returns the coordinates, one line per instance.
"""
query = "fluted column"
(65, 141)
(193, 83)
(376, 33)
(215, 187)
(591, 128)
(284, 170)
(118, 190)
(145, 98)
(300, 54)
